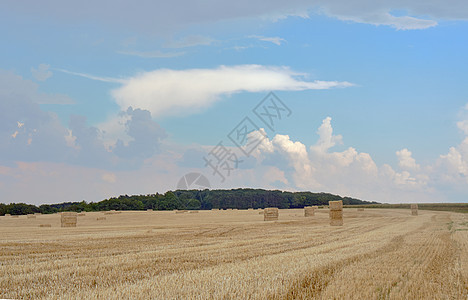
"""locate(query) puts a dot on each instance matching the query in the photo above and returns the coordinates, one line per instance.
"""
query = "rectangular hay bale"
(270, 214)
(68, 219)
(336, 205)
(337, 222)
(414, 209)
(309, 211)
(45, 225)
(336, 213)
(31, 216)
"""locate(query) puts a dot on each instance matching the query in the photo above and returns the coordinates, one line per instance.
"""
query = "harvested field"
(377, 254)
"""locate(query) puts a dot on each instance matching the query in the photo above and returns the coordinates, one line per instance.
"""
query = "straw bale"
(7, 215)
(81, 214)
(336, 222)
(31, 216)
(15, 216)
(309, 211)
(414, 209)
(336, 205)
(149, 210)
(45, 225)
(336, 214)
(100, 218)
(194, 212)
(270, 214)
(360, 209)
(68, 219)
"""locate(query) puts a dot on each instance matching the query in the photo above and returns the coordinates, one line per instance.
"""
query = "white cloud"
(275, 40)
(298, 158)
(326, 138)
(42, 73)
(406, 161)
(347, 172)
(171, 92)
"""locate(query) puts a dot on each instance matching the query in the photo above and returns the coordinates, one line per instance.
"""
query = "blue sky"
(98, 101)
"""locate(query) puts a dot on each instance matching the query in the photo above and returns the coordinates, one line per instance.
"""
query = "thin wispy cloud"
(189, 41)
(275, 40)
(92, 77)
(152, 54)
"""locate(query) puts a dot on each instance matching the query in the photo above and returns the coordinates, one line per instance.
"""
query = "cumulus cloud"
(146, 135)
(28, 133)
(406, 161)
(168, 91)
(347, 172)
(42, 73)
(452, 167)
(326, 138)
(12, 85)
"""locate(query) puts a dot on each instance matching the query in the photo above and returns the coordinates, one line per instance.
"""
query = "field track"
(377, 254)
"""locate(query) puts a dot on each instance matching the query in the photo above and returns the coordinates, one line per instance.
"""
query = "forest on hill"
(189, 199)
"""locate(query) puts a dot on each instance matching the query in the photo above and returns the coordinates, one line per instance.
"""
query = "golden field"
(377, 254)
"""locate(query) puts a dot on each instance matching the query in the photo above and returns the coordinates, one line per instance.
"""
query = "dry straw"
(309, 211)
(7, 215)
(149, 210)
(100, 218)
(414, 209)
(181, 211)
(31, 216)
(336, 213)
(194, 212)
(112, 212)
(360, 209)
(270, 214)
(68, 219)
(81, 214)
(45, 225)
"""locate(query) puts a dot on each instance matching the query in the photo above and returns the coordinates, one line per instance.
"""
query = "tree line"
(189, 199)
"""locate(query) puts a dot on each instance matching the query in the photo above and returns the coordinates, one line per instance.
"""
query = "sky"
(362, 99)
